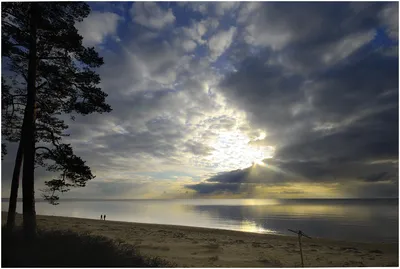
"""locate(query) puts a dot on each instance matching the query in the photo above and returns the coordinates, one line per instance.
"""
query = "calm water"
(357, 220)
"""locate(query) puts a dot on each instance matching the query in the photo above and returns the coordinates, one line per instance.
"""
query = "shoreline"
(208, 247)
(205, 229)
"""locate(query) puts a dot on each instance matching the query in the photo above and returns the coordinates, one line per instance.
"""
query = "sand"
(200, 247)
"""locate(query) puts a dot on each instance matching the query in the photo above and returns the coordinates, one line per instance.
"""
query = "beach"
(201, 247)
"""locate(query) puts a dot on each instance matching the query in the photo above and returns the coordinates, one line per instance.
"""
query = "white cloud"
(346, 46)
(222, 7)
(151, 15)
(246, 10)
(275, 39)
(198, 29)
(212, 24)
(390, 17)
(97, 26)
(196, 32)
(189, 45)
(197, 7)
(220, 42)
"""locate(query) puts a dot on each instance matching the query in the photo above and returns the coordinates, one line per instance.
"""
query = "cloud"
(220, 42)
(204, 188)
(151, 64)
(201, 8)
(151, 15)
(197, 29)
(294, 178)
(216, 9)
(277, 24)
(328, 122)
(346, 46)
(189, 45)
(268, 89)
(246, 9)
(347, 119)
(223, 7)
(377, 177)
(390, 18)
(154, 126)
(97, 26)
(197, 148)
(313, 85)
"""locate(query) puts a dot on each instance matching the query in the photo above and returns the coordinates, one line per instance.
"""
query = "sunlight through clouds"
(232, 151)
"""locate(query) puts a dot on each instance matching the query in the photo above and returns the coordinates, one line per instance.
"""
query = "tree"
(10, 129)
(74, 172)
(44, 50)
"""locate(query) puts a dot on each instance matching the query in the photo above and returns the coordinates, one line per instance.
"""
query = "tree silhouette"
(44, 53)
(73, 171)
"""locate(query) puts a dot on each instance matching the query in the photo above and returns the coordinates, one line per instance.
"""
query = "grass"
(69, 249)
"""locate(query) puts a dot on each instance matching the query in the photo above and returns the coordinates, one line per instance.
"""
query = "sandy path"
(199, 247)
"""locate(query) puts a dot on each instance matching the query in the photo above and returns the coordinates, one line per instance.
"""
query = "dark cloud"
(277, 171)
(356, 86)
(289, 173)
(373, 137)
(237, 176)
(334, 120)
(310, 35)
(355, 180)
(218, 188)
(140, 142)
(377, 177)
(262, 91)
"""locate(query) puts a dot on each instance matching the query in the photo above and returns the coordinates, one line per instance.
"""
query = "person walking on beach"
(101, 217)
(104, 217)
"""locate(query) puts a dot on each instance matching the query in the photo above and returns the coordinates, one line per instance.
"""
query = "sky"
(240, 100)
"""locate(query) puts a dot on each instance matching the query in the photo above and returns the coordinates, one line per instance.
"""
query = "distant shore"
(203, 247)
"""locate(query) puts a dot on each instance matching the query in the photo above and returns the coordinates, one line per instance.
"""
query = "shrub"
(69, 249)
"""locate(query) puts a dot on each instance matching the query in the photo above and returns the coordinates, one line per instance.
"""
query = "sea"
(359, 220)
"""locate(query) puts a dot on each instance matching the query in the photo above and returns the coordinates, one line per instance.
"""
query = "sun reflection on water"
(252, 227)
(253, 202)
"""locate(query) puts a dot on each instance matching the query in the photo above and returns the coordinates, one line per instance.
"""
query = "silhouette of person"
(104, 217)
(101, 217)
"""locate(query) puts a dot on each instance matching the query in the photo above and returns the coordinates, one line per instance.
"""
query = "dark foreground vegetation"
(69, 249)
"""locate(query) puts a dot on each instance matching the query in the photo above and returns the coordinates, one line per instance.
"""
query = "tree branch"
(16, 45)
(18, 95)
(53, 58)
(13, 15)
(46, 148)
(41, 85)
(53, 138)
(24, 76)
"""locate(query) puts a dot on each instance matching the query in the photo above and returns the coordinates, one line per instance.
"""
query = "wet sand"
(201, 247)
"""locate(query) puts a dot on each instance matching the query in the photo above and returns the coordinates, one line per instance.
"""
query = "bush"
(69, 249)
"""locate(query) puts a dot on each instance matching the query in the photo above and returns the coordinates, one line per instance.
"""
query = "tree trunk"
(14, 189)
(28, 134)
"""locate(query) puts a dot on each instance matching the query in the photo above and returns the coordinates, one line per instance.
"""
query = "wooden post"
(300, 234)
(301, 251)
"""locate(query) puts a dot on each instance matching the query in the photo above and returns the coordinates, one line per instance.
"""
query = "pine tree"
(44, 52)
